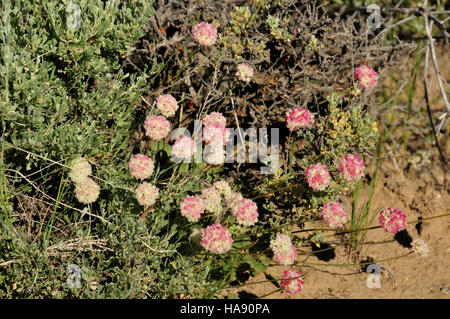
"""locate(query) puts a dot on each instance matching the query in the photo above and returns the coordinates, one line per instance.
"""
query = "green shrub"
(67, 92)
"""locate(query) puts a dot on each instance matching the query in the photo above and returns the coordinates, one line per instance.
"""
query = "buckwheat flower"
(204, 33)
(318, 177)
(351, 167)
(298, 117)
(216, 238)
(141, 166)
(87, 191)
(419, 246)
(215, 136)
(192, 207)
(215, 119)
(156, 127)
(223, 188)
(146, 194)
(244, 72)
(233, 199)
(292, 282)
(214, 155)
(392, 220)
(213, 199)
(79, 169)
(366, 76)
(183, 148)
(284, 252)
(167, 105)
(246, 212)
(333, 214)
(214, 130)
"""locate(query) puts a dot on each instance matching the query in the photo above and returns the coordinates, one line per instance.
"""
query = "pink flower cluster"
(215, 119)
(146, 194)
(80, 169)
(334, 215)
(141, 166)
(156, 127)
(246, 212)
(214, 130)
(87, 191)
(366, 76)
(297, 118)
(167, 105)
(215, 135)
(204, 33)
(244, 72)
(318, 177)
(223, 188)
(292, 282)
(184, 148)
(192, 207)
(233, 199)
(216, 238)
(213, 199)
(284, 251)
(351, 167)
(392, 220)
(419, 246)
(214, 154)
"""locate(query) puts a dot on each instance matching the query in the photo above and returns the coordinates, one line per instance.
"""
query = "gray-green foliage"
(49, 102)
(64, 92)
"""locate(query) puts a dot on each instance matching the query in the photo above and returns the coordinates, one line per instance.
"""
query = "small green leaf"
(241, 244)
(265, 260)
(259, 268)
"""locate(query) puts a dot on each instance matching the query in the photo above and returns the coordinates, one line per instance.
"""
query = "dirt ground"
(423, 194)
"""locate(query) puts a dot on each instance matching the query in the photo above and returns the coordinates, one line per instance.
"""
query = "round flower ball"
(246, 212)
(284, 251)
(215, 136)
(213, 199)
(318, 177)
(204, 33)
(167, 105)
(392, 220)
(183, 149)
(291, 282)
(216, 238)
(333, 214)
(146, 194)
(419, 246)
(79, 169)
(87, 191)
(244, 72)
(141, 166)
(233, 199)
(214, 154)
(215, 119)
(366, 76)
(223, 188)
(351, 167)
(214, 130)
(156, 127)
(298, 117)
(192, 207)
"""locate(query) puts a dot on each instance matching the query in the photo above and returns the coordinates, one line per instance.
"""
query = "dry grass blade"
(79, 245)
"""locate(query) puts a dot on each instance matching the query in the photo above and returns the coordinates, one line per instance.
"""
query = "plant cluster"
(96, 104)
